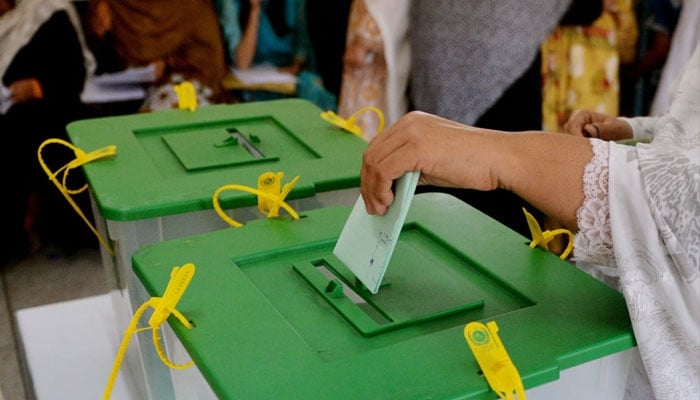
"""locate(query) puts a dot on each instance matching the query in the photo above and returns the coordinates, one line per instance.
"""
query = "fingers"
(609, 129)
(397, 150)
(384, 161)
(376, 191)
(417, 142)
(577, 123)
(591, 130)
(586, 123)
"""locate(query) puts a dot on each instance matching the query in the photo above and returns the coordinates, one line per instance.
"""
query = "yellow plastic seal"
(163, 307)
(494, 360)
(81, 158)
(186, 96)
(270, 196)
(269, 182)
(542, 239)
(350, 124)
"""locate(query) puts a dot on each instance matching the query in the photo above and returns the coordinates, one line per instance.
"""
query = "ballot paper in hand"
(367, 241)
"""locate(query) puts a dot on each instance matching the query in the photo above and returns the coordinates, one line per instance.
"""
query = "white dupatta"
(654, 195)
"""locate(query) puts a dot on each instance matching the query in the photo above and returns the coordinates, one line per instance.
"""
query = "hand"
(542, 168)
(445, 152)
(25, 90)
(596, 125)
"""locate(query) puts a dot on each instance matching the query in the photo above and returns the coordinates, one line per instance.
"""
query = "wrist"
(624, 129)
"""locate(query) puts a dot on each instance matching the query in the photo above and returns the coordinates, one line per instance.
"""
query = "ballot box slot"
(220, 144)
(431, 285)
(368, 316)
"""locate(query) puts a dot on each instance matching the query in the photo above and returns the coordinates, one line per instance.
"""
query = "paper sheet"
(124, 85)
(129, 76)
(263, 73)
(367, 242)
(94, 93)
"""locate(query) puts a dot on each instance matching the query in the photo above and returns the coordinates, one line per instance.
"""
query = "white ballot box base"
(70, 347)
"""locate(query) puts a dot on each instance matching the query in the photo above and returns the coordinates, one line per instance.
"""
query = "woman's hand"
(544, 169)
(25, 90)
(596, 125)
(445, 152)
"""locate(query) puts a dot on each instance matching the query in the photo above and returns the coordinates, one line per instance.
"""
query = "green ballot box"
(168, 165)
(277, 315)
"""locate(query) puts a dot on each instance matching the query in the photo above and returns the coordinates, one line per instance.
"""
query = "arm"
(245, 51)
(545, 169)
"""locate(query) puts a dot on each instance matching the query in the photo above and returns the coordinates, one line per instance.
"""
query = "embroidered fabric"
(593, 242)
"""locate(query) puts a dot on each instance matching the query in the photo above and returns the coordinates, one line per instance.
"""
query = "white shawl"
(683, 42)
(18, 26)
(654, 194)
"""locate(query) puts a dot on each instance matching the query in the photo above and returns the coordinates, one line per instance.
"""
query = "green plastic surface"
(271, 322)
(172, 161)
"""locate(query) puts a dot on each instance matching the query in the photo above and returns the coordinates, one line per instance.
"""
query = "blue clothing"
(271, 47)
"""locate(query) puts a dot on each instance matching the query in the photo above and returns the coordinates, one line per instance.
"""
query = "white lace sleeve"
(642, 127)
(593, 242)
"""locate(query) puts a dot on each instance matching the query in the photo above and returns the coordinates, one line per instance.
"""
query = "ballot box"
(277, 315)
(168, 164)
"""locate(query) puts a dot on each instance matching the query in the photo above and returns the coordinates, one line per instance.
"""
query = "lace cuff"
(593, 242)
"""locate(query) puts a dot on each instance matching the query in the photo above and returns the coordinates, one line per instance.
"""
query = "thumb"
(591, 130)
(605, 129)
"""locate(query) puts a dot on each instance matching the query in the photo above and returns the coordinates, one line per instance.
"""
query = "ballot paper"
(367, 241)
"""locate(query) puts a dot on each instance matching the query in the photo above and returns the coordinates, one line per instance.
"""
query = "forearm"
(545, 169)
(245, 52)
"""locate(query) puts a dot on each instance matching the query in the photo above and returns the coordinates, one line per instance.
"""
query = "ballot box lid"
(270, 319)
(172, 161)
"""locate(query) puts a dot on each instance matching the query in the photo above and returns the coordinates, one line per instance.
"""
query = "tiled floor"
(42, 278)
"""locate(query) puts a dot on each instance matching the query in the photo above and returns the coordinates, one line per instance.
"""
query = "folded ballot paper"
(367, 241)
